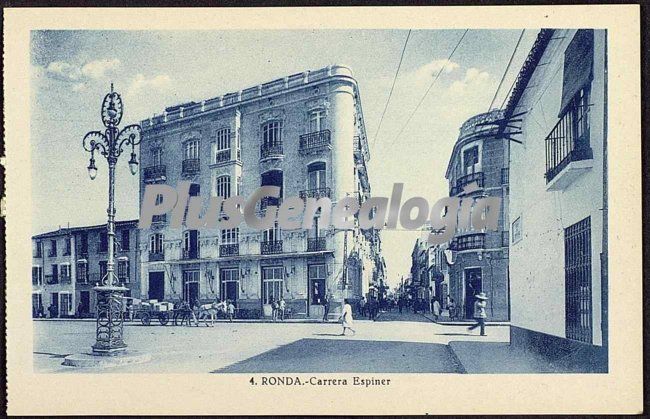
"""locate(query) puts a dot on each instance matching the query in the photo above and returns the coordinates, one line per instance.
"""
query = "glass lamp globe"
(133, 164)
(92, 170)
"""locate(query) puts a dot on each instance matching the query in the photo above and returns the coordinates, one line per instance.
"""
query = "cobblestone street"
(394, 343)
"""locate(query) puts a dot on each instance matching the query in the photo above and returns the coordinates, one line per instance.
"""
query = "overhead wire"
(390, 94)
(506, 71)
(430, 86)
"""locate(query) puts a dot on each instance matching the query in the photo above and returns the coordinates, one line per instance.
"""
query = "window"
(39, 250)
(191, 286)
(156, 243)
(125, 239)
(66, 304)
(272, 234)
(53, 251)
(229, 284)
(230, 236)
(316, 119)
(65, 271)
(68, 247)
(156, 157)
(103, 241)
(83, 243)
(223, 139)
(123, 270)
(272, 283)
(470, 159)
(272, 133)
(192, 149)
(82, 272)
(37, 275)
(577, 274)
(191, 244)
(223, 186)
(316, 176)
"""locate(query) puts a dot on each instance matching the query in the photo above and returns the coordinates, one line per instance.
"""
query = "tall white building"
(558, 199)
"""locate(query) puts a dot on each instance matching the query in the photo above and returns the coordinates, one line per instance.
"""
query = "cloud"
(431, 69)
(141, 84)
(80, 76)
(474, 77)
(147, 95)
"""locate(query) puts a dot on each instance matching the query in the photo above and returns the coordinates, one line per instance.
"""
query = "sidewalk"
(441, 320)
(498, 358)
(155, 322)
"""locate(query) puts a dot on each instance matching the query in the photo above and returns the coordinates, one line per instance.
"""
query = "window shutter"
(578, 65)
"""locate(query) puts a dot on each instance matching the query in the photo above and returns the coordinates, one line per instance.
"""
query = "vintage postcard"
(323, 210)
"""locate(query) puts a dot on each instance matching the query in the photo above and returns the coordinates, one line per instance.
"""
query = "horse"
(211, 310)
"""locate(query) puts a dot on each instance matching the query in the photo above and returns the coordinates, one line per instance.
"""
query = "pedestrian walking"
(362, 306)
(400, 304)
(479, 312)
(326, 306)
(282, 305)
(231, 310)
(274, 309)
(436, 309)
(346, 318)
(451, 306)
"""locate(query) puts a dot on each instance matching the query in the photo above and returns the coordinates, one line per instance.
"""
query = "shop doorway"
(157, 286)
(473, 286)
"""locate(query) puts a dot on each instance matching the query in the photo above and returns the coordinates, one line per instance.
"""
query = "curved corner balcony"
(468, 242)
(464, 181)
(271, 151)
(315, 142)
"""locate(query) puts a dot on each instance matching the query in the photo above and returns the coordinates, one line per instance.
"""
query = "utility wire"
(430, 86)
(391, 88)
(506, 71)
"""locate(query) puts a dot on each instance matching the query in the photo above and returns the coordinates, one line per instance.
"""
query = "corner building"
(480, 258)
(304, 133)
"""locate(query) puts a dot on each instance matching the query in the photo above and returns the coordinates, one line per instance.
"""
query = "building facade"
(67, 264)
(480, 258)
(303, 133)
(558, 202)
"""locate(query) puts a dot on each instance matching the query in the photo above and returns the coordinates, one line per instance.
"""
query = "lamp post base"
(110, 321)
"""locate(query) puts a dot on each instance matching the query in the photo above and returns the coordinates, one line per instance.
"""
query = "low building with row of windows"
(303, 133)
(67, 263)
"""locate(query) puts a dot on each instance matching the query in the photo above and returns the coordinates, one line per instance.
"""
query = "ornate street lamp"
(110, 144)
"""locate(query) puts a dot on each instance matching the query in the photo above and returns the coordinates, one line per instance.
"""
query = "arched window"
(316, 176)
(221, 146)
(223, 186)
(272, 133)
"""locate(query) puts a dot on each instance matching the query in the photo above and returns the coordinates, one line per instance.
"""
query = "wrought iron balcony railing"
(314, 141)
(228, 250)
(156, 256)
(153, 173)
(463, 181)
(222, 156)
(271, 150)
(567, 142)
(468, 242)
(316, 244)
(159, 218)
(316, 193)
(190, 253)
(271, 247)
(191, 166)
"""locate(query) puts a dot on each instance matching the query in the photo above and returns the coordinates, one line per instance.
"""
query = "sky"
(71, 71)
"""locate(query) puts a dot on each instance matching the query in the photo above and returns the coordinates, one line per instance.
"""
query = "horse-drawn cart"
(152, 309)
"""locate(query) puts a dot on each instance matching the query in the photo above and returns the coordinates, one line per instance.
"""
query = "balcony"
(156, 256)
(271, 150)
(468, 242)
(567, 147)
(222, 156)
(315, 141)
(66, 279)
(155, 173)
(189, 254)
(191, 166)
(463, 181)
(316, 244)
(271, 247)
(316, 193)
(51, 279)
(226, 250)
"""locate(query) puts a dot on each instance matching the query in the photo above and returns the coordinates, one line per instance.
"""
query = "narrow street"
(394, 343)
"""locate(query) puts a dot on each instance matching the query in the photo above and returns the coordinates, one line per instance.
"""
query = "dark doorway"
(55, 304)
(473, 286)
(157, 286)
(191, 286)
(84, 298)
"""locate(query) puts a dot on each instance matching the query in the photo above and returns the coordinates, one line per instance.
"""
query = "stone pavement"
(393, 343)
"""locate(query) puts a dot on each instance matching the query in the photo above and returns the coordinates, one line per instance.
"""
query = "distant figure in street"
(400, 304)
(346, 317)
(282, 305)
(53, 311)
(80, 308)
(231, 310)
(436, 309)
(362, 306)
(326, 306)
(372, 308)
(274, 309)
(479, 312)
(451, 306)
